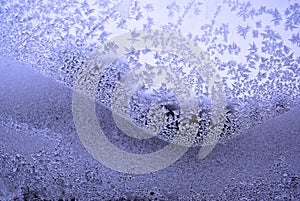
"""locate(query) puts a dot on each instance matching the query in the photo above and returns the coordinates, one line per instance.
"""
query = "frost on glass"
(254, 45)
(257, 56)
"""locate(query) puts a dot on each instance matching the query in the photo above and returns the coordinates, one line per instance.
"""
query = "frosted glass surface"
(211, 86)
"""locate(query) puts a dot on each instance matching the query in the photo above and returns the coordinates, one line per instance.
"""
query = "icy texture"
(41, 156)
(255, 46)
(257, 54)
